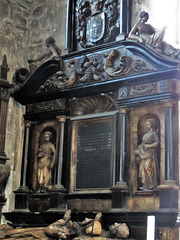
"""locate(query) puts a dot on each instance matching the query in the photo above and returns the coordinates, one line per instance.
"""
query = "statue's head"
(50, 40)
(151, 122)
(47, 135)
(144, 15)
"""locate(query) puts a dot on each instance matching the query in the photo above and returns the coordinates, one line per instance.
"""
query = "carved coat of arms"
(95, 27)
(96, 21)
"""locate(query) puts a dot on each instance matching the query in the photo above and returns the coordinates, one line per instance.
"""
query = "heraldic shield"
(95, 27)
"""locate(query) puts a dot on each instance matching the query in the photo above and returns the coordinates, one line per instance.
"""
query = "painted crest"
(95, 27)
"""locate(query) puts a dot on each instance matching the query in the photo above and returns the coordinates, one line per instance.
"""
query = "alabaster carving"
(119, 230)
(146, 156)
(51, 52)
(97, 68)
(148, 35)
(46, 161)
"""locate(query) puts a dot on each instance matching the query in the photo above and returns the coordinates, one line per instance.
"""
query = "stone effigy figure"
(148, 35)
(146, 155)
(51, 52)
(46, 161)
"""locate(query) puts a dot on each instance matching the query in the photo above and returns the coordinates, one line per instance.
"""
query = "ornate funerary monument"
(101, 126)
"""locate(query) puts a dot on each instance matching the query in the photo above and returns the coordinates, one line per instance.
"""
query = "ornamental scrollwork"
(96, 68)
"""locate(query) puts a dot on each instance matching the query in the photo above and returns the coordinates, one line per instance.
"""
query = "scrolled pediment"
(95, 71)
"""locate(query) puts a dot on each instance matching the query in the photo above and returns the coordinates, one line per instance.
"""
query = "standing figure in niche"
(46, 161)
(146, 155)
(51, 52)
(148, 35)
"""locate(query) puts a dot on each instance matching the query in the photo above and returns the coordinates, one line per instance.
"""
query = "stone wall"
(47, 18)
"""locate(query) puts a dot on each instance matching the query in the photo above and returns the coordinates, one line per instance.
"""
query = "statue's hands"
(146, 146)
(50, 167)
(140, 40)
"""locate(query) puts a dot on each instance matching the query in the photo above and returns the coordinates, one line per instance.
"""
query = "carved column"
(169, 190)
(62, 120)
(57, 197)
(25, 153)
(120, 190)
(169, 142)
(22, 194)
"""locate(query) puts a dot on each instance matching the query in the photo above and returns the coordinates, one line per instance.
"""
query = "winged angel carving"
(97, 21)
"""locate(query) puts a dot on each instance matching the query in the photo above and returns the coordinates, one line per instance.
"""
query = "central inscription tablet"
(94, 150)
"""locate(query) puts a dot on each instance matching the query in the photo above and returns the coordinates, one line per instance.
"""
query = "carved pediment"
(96, 70)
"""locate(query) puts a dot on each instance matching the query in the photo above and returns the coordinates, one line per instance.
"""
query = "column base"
(120, 194)
(57, 197)
(39, 202)
(66, 51)
(21, 198)
(168, 194)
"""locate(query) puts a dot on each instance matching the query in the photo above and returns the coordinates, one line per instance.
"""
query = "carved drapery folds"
(147, 152)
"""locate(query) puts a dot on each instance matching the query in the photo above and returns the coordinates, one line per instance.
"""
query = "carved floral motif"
(40, 107)
(143, 89)
(96, 67)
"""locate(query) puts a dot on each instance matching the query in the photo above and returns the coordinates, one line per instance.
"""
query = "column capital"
(169, 103)
(62, 118)
(27, 123)
(123, 110)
